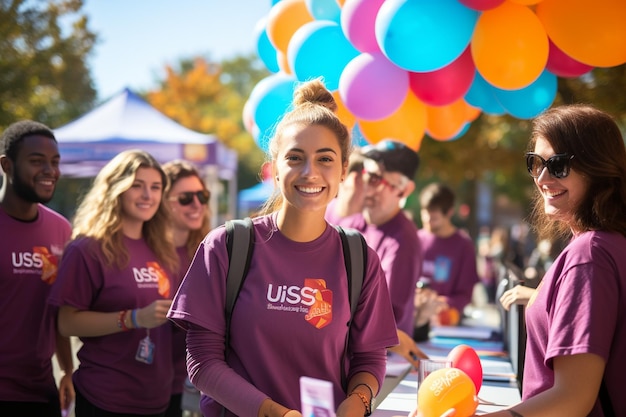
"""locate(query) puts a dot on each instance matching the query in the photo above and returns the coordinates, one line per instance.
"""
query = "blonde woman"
(113, 291)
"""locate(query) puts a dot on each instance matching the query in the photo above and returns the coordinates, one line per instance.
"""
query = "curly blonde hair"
(99, 214)
(312, 104)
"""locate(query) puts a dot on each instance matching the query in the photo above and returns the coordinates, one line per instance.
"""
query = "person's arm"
(577, 381)
(66, 363)
(351, 196)
(408, 349)
(362, 389)
(516, 295)
(209, 372)
(85, 323)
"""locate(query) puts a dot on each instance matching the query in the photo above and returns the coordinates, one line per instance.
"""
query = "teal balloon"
(320, 49)
(529, 101)
(324, 9)
(424, 35)
(481, 94)
(271, 98)
(265, 49)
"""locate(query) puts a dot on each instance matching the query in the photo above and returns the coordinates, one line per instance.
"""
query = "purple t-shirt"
(289, 320)
(450, 266)
(179, 347)
(29, 257)
(400, 254)
(109, 376)
(577, 309)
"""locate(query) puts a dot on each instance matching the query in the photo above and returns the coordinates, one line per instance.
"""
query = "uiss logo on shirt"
(313, 299)
(152, 276)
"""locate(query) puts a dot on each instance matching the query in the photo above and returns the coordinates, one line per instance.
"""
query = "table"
(398, 394)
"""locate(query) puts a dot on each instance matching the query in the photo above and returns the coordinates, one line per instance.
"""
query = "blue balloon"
(482, 95)
(358, 140)
(529, 101)
(271, 98)
(320, 49)
(424, 35)
(264, 48)
(324, 9)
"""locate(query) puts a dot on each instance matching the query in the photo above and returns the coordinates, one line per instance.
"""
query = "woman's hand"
(516, 295)
(154, 314)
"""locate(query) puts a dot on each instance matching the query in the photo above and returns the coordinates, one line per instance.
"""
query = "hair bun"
(315, 93)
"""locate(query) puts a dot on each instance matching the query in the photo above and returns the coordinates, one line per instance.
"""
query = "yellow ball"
(444, 389)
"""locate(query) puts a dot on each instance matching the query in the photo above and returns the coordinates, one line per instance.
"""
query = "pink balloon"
(372, 87)
(446, 85)
(466, 359)
(481, 4)
(358, 18)
(563, 65)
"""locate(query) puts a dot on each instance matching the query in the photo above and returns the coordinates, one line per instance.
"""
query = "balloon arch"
(409, 68)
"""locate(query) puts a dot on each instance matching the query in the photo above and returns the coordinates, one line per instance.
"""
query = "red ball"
(466, 359)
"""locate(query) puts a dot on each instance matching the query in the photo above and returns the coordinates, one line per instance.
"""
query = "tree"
(43, 71)
(209, 97)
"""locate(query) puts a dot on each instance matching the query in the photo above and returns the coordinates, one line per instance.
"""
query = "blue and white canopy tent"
(126, 121)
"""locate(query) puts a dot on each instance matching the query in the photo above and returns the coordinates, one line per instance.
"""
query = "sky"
(138, 38)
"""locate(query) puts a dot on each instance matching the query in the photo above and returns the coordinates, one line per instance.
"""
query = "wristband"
(120, 321)
(133, 319)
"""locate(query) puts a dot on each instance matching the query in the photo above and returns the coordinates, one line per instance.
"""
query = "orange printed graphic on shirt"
(321, 311)
(49, 265)
(163, 279)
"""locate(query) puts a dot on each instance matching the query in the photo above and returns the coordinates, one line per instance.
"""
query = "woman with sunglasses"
(291, 316)
(576, 319)
(188, 202)
(113, 291)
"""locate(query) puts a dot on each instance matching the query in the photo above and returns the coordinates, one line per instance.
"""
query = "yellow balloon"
(591, 32)
(444, 389)
(284, 19)
(406, 125)
(509, 46)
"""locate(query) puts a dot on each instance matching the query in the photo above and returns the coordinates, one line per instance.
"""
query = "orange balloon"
(444, 389)
(591, 32)
(444, 122)
(509, 46)
(343, 113)
(341, 2)
(283, 62)
(526, 2)
(284, 19)
(406, 125)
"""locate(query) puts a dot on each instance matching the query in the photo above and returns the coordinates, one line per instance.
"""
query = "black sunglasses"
(186, 198)
(558, 165)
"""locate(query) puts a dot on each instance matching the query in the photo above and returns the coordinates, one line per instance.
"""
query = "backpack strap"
(355, 257)
(239, 243)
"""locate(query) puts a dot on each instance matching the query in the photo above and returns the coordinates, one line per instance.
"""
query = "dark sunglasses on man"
(558, 165)
(186, 198)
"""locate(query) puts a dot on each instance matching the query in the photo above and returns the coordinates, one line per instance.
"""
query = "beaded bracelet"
(121, 321)
(133, 319)
(367, 403)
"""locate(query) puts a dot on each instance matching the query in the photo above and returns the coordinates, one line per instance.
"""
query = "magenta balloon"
(358, 18)
(481, 4)
(446, 85)
(372, 87)
(563, 65)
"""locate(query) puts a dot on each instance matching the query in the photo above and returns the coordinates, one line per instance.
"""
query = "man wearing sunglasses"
(371, 201)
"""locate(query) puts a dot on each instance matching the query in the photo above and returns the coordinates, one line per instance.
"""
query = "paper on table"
(479, 333)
